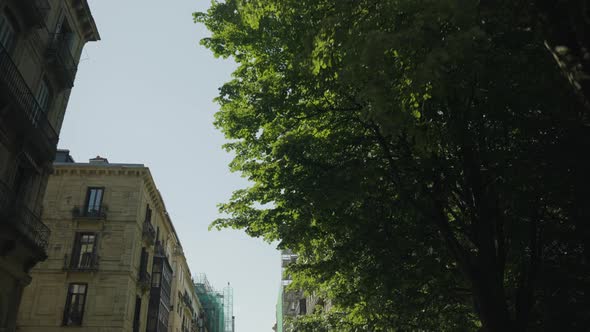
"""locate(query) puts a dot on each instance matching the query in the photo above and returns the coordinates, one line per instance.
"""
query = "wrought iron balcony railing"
(60, 57)
(85, 262)
(149, 233)
(90, 212)
(22, 219)
(32, 227)
(13, 84)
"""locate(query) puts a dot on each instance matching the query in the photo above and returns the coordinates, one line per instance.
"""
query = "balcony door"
(93, 201)
(84, 251)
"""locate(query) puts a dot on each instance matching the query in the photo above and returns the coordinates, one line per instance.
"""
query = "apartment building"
(115, 262)
(294, 302)
(187, 315)
(40, 46)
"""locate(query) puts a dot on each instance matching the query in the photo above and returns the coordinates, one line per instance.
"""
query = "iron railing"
(21, 218)
(14, 83)
(149, 233)
(60, 55)
(86, 262)
(97, 212)
(32, 227)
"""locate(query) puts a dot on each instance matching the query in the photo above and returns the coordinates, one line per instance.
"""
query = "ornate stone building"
(115, 262)
(40, 46)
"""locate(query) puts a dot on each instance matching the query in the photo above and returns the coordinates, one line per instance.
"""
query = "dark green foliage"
(424, 159)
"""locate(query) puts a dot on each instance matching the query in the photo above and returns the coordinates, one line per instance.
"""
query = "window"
(137, 314)
(83, 255)
(75, 300)
(148, 214)
(64, 35)
(156, 274)
(7, 30)
(143, 262)
(23, 181)
(44, 95)
(302, 306)
(93, 201)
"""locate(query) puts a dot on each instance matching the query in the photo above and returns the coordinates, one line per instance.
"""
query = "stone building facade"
(187, 315)
(40, 46)
(294, 302)
(111, 256)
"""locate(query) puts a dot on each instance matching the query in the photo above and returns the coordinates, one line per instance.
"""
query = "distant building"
(292, 302)
(217, 314)
(115, 262)
(40, 46)
(186, 305)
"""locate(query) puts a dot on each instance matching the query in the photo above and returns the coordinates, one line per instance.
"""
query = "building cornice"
(110, 169)
(86, 20)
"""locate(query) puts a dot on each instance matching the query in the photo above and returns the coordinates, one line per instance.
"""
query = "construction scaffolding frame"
(217, 306)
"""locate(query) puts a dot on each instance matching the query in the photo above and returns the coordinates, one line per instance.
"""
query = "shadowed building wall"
(40, 46)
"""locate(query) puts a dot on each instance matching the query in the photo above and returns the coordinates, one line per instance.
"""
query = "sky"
(144, 94)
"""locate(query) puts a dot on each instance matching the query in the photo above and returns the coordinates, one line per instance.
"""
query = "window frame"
(137, 314)
(44, 94)
(157, 268)
(68, 305)
(76, 260)
(148, 214)
(144, 257)
(87, 206)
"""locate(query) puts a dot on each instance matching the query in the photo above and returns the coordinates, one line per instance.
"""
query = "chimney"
(99, 160)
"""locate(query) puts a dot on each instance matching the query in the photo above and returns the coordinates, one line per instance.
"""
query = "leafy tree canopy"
(421, 157)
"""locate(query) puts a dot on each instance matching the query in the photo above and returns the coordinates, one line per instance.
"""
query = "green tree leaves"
(419, 156)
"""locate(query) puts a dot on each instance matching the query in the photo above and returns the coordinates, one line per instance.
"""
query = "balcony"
(86, 262)
(22, 219)
(29, 117)
(187, 301)
(149, 233)
(85, 212)
(34, 12)
(144, 281)
(62, 61)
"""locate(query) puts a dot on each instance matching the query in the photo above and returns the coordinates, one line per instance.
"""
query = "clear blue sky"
(143, 94)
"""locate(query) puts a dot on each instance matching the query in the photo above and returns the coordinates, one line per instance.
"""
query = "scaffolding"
(217, 306)
(228, 308)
